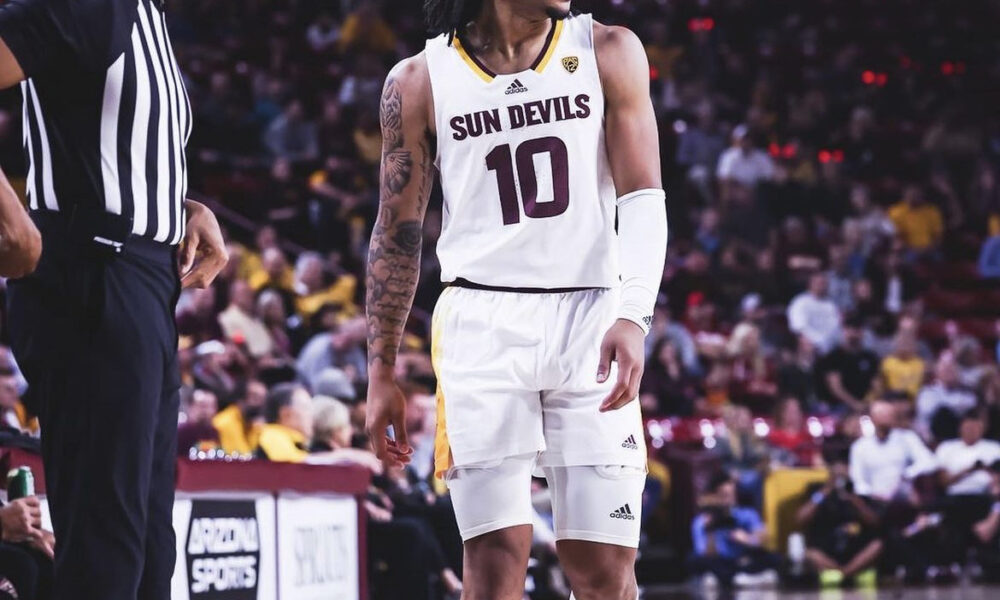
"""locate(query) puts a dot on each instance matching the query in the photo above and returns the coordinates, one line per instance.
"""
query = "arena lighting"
(815, 427)
(705, 24)
(947, 68)
(710, 443)
(774, 149)
(680, 126)
(825, 156)
(788, 151)
(706, 428)
(881, 79)
(761, 428)
(868, 77)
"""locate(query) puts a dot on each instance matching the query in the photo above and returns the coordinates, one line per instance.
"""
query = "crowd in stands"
(834, 201)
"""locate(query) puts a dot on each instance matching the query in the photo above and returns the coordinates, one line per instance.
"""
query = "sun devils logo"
(570, 63)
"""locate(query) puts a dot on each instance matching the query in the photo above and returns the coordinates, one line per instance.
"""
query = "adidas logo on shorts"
(624, 513)
(630, 443)
(515, 88)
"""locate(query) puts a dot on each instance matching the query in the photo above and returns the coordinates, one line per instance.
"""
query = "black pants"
(95, 337)
(25, 569)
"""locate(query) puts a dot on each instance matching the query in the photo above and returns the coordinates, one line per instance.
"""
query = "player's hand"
(387, 406)
(623, 343)
(21, 519)
(203, 251)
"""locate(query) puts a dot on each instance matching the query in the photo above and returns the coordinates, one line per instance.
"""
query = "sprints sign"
(222, 550)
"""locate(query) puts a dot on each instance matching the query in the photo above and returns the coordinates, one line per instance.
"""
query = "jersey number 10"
(499, 160)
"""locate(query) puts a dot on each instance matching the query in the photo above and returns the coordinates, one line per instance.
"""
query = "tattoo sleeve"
(394, 252)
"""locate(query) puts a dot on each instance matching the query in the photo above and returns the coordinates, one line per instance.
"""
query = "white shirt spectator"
(879, 468)
(818, 319)
(745, 167)
(955, 456)
(937, 395)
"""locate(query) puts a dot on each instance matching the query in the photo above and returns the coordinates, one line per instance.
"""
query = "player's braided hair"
(449, 16)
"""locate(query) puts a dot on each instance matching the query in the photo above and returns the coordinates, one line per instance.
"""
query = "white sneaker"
(709, 581)
(768, 578)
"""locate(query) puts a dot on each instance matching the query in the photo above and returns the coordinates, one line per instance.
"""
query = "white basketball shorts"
(517, 374)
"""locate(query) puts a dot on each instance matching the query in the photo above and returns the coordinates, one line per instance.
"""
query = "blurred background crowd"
(829, 306)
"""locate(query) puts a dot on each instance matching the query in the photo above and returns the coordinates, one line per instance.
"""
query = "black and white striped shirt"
(106, 114)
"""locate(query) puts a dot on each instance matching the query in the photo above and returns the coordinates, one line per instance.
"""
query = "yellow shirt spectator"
(365, 30)
(283, 444)
(919, 224)
(341, 294)
(234, 436)
(903, 374)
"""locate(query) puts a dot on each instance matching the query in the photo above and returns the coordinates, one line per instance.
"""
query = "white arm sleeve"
(642, 250)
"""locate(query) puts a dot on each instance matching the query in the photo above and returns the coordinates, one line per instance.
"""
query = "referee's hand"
(203, 251)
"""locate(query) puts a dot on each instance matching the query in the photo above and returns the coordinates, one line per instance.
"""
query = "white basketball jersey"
(528, 195)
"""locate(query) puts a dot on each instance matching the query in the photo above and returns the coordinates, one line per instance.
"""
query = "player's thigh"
(597, 513)
(491, 496)
(600, 503)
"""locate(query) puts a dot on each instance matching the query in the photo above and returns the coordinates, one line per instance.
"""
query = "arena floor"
(956, 592)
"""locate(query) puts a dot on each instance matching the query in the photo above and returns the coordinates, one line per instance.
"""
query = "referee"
(106, 119)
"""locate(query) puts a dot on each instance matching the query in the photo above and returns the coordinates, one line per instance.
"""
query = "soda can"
(20, 483)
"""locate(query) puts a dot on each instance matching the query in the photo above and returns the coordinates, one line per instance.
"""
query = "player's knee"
(602, 581)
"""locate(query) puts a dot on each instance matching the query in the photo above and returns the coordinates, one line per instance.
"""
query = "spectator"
(918, 222)
(742, 164)
(214, 360)
(699, 148)
(196, 317)
(841, 529)
(365, 31)
(667, 387)
(968, 470)
(743, 454)
(814, 315)
(26, 551)
(313, 293)
(13, 413)
(340, 348)
(291, 136)
(792, 444)
(797, 374)
(941, 404)
(286, 436)
(883, 465)
(196, 430)
(729, 539)
(240, 323)
(239, 424)
(848, 371)
(903, 370)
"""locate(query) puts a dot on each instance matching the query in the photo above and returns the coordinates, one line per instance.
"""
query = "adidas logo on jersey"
(624, 513)
(516, 87)
(630, 443)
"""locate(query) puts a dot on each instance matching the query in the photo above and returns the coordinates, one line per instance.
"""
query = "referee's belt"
(97, 232)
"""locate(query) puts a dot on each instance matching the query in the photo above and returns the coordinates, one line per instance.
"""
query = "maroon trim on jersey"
(545, 46)
(538, 60)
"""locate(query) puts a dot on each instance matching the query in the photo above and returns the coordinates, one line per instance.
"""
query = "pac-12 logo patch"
(571, 63)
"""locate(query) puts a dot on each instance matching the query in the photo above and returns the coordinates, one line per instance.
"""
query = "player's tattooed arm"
(406, 177)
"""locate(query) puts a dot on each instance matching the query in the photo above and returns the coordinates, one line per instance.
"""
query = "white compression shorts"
(590, 503)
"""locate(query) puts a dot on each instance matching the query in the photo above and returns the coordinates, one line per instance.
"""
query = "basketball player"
(541, 126)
